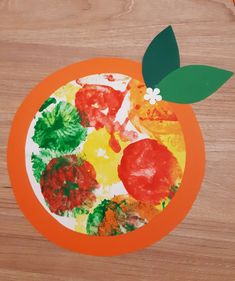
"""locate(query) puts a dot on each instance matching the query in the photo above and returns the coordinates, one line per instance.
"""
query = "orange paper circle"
(159, 226)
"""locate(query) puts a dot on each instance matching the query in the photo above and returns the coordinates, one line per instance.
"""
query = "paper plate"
(96, 167)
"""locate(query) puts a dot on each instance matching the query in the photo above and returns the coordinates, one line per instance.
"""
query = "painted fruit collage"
(100, 160)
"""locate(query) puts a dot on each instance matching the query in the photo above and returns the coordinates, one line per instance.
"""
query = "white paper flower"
(152, 95)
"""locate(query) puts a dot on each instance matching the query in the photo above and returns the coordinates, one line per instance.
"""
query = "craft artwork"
(106, 156)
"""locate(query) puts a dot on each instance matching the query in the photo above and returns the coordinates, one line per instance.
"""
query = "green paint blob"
(79, 211)
(40, 161)
(129, 227)
(95, 218)
(48, 102)
(68, 187)
(59, 129)
(61, 162)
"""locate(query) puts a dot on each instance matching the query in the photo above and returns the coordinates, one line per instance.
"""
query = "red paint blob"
(98, 104)
(66, 184)
(114, 144)
(148, 170)
(109, 77)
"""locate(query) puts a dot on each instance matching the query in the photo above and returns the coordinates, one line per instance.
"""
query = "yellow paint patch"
(175, 143)
(105, 161)
(81, 222)
(68, 92)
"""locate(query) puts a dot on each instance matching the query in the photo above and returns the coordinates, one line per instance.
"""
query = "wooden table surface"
(38, 37)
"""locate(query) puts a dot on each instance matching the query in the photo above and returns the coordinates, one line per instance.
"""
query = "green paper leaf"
(192, 83)
(160, 58)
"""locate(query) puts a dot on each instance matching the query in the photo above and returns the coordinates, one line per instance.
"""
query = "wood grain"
(39, 37)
